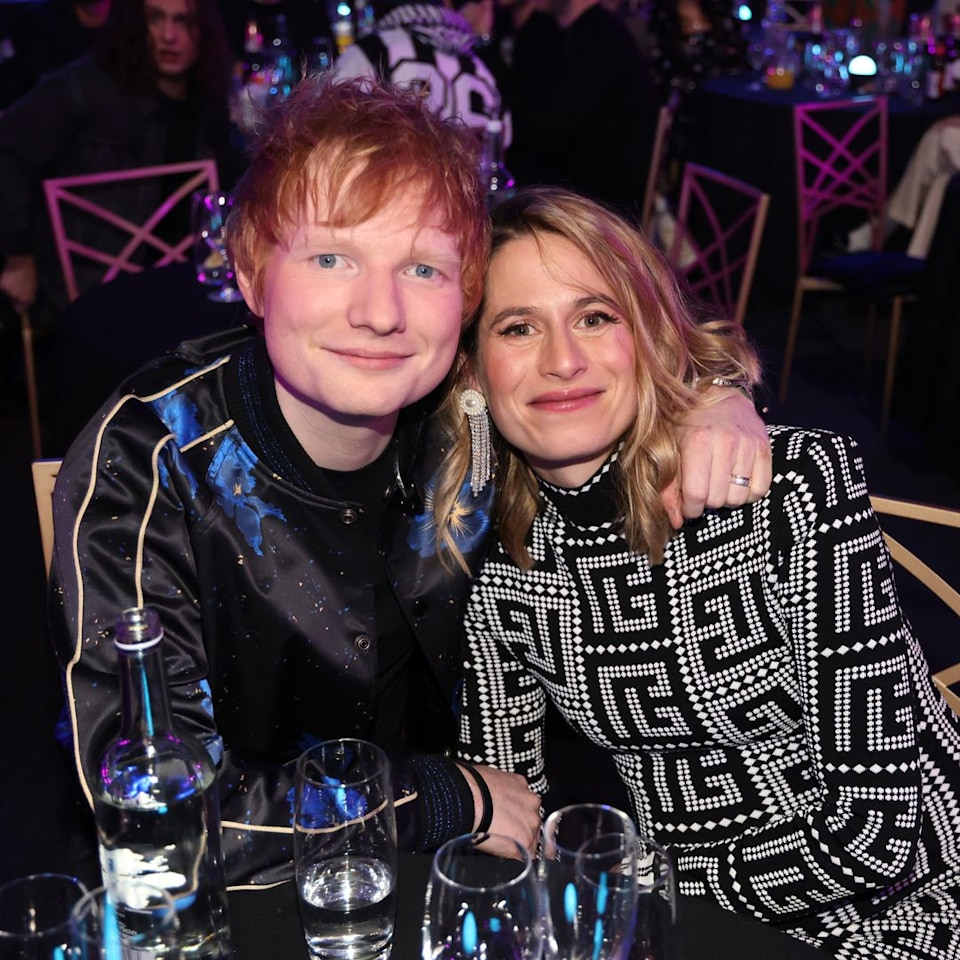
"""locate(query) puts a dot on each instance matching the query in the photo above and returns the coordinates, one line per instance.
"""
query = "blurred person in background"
(586, 115)
(42, 36)
(153, 91)
(431, 47)
(913, 206)
(524, 41)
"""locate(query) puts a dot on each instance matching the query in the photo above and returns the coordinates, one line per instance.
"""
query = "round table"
(746, 131)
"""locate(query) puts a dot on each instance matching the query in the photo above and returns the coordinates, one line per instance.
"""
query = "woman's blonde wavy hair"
(676, 356)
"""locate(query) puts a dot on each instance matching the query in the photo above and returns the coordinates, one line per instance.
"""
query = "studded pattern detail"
(765, 702)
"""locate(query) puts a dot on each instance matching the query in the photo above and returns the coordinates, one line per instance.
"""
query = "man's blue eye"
(424, 271)
(327, 260)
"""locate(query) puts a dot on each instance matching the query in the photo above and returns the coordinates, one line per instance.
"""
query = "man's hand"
(19, 281)
(722, 438)
(516, 811)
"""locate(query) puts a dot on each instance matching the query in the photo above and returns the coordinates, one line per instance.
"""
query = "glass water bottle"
(157, 810)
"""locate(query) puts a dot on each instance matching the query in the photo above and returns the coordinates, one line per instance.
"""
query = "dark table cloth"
(266, 924)
(748, 133)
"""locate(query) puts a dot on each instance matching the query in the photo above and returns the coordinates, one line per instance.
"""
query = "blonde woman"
(766, 705)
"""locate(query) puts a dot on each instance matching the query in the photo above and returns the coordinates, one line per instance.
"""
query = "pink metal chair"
(177, 180)
(841, 164)
(714, 250)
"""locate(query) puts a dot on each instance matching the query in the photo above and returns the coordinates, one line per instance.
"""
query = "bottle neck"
(499, 181)
(145, 703)
(492, 148)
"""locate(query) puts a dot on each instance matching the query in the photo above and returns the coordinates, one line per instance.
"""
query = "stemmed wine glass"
(589, 871)
(35, 916)
(210, 212)
(482, 906)
(656, 902)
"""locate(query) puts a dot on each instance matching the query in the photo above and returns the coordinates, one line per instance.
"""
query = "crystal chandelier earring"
(474, 405)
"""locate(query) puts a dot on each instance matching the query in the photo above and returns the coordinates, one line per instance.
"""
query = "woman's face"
(555, 358)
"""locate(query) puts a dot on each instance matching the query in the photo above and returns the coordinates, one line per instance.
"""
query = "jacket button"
(348, 515)
(419, 608)
(362, 643)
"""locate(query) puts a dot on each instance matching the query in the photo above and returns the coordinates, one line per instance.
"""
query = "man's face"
(173, 36)
(360, 321)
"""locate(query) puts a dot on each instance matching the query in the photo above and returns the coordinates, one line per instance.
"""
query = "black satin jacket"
(180, 495)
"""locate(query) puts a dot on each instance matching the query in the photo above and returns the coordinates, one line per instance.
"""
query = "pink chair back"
(841, 162)
(720, 223)
(178, 181)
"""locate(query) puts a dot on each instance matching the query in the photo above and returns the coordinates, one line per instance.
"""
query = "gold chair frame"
(44, 478)
(941, 516)
(658, 154)
(718, 263)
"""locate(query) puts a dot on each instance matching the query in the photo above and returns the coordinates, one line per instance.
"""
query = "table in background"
(113, 329)
(748, 133)
(266, 924)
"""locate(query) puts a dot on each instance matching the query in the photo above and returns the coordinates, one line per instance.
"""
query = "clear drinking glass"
(589, 873)
(345, 845)
(656, 903)
(35, 916)
(481, 906)
(210, 212)
(144, 926)
(834, 63)
(757, 55)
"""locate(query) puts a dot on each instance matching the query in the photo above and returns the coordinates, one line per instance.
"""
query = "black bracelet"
(486, 817)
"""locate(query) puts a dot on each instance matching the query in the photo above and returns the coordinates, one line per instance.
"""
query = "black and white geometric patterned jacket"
(430, 48)
(765, 702)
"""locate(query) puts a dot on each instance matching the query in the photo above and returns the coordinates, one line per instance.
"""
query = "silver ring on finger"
(739, 480)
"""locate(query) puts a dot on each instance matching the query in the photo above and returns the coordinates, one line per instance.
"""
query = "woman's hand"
(724, 456)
